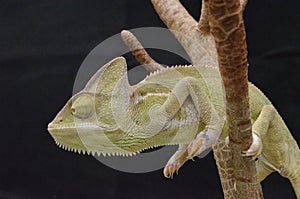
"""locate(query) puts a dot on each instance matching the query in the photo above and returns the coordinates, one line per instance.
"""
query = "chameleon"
(182, 105)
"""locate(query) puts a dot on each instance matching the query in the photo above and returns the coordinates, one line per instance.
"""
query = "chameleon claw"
(227, 140)
(190, 158)
(255, 148)
(167, 175)
(169, 170)
(176, 162)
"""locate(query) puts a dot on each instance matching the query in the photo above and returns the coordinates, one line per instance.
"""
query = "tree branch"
(139, 52)
(199, 45)
(243, 4)
(203, 21)
(227, 26)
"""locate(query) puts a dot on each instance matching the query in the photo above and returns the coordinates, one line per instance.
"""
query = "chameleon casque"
(181, 105)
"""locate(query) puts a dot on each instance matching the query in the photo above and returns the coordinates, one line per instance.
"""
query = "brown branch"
(199, 46)
(243, 4)
(139, 52)
(203, 21)
(227, 26)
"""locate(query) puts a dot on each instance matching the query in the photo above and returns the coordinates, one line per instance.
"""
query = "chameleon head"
(86, 123)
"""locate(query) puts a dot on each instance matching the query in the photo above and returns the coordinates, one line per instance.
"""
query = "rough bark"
(223, 18)
(199, 46)
(227, 27)
(203, 21)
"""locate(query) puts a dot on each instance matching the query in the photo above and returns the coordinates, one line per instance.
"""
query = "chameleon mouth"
(86, 151)
(93, 153)
(82, 142)
(73, 139)
(86, 126)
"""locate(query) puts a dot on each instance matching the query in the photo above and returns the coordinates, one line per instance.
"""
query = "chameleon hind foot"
(254, 150)
(204, 140)
(176, 161)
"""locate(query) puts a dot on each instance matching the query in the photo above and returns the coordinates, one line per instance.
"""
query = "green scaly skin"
(181, 105)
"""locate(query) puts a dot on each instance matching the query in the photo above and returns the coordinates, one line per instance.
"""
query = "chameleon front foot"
(176, 161)
(204, 140)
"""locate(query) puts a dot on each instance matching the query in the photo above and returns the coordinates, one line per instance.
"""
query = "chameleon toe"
(255, 148)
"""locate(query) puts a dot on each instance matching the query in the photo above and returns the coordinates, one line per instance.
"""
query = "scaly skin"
(181, 105)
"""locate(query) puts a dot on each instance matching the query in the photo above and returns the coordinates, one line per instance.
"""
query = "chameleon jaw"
(73, 140)
(70, 137)
(84, 138)
(101, 153)
(93, 153)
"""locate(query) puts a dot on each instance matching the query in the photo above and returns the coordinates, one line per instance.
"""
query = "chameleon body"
(181, 105)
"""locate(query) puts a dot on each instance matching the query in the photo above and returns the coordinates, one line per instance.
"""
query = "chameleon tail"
(295, 177)
(296, 184)
(292, 172)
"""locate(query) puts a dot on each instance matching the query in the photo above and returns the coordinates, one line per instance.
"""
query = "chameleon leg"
(296, 183)
(261, 128)
(280, 150)
(208, 115)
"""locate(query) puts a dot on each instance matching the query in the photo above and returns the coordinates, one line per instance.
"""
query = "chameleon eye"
(82, 107)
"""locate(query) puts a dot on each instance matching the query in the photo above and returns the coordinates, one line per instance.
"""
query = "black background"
(42, 46)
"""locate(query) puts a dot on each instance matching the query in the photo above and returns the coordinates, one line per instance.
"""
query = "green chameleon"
(181, 105)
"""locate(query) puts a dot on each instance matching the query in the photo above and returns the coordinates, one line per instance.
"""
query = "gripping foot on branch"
(254, 150)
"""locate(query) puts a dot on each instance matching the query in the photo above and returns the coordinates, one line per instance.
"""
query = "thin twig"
(139, 52)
